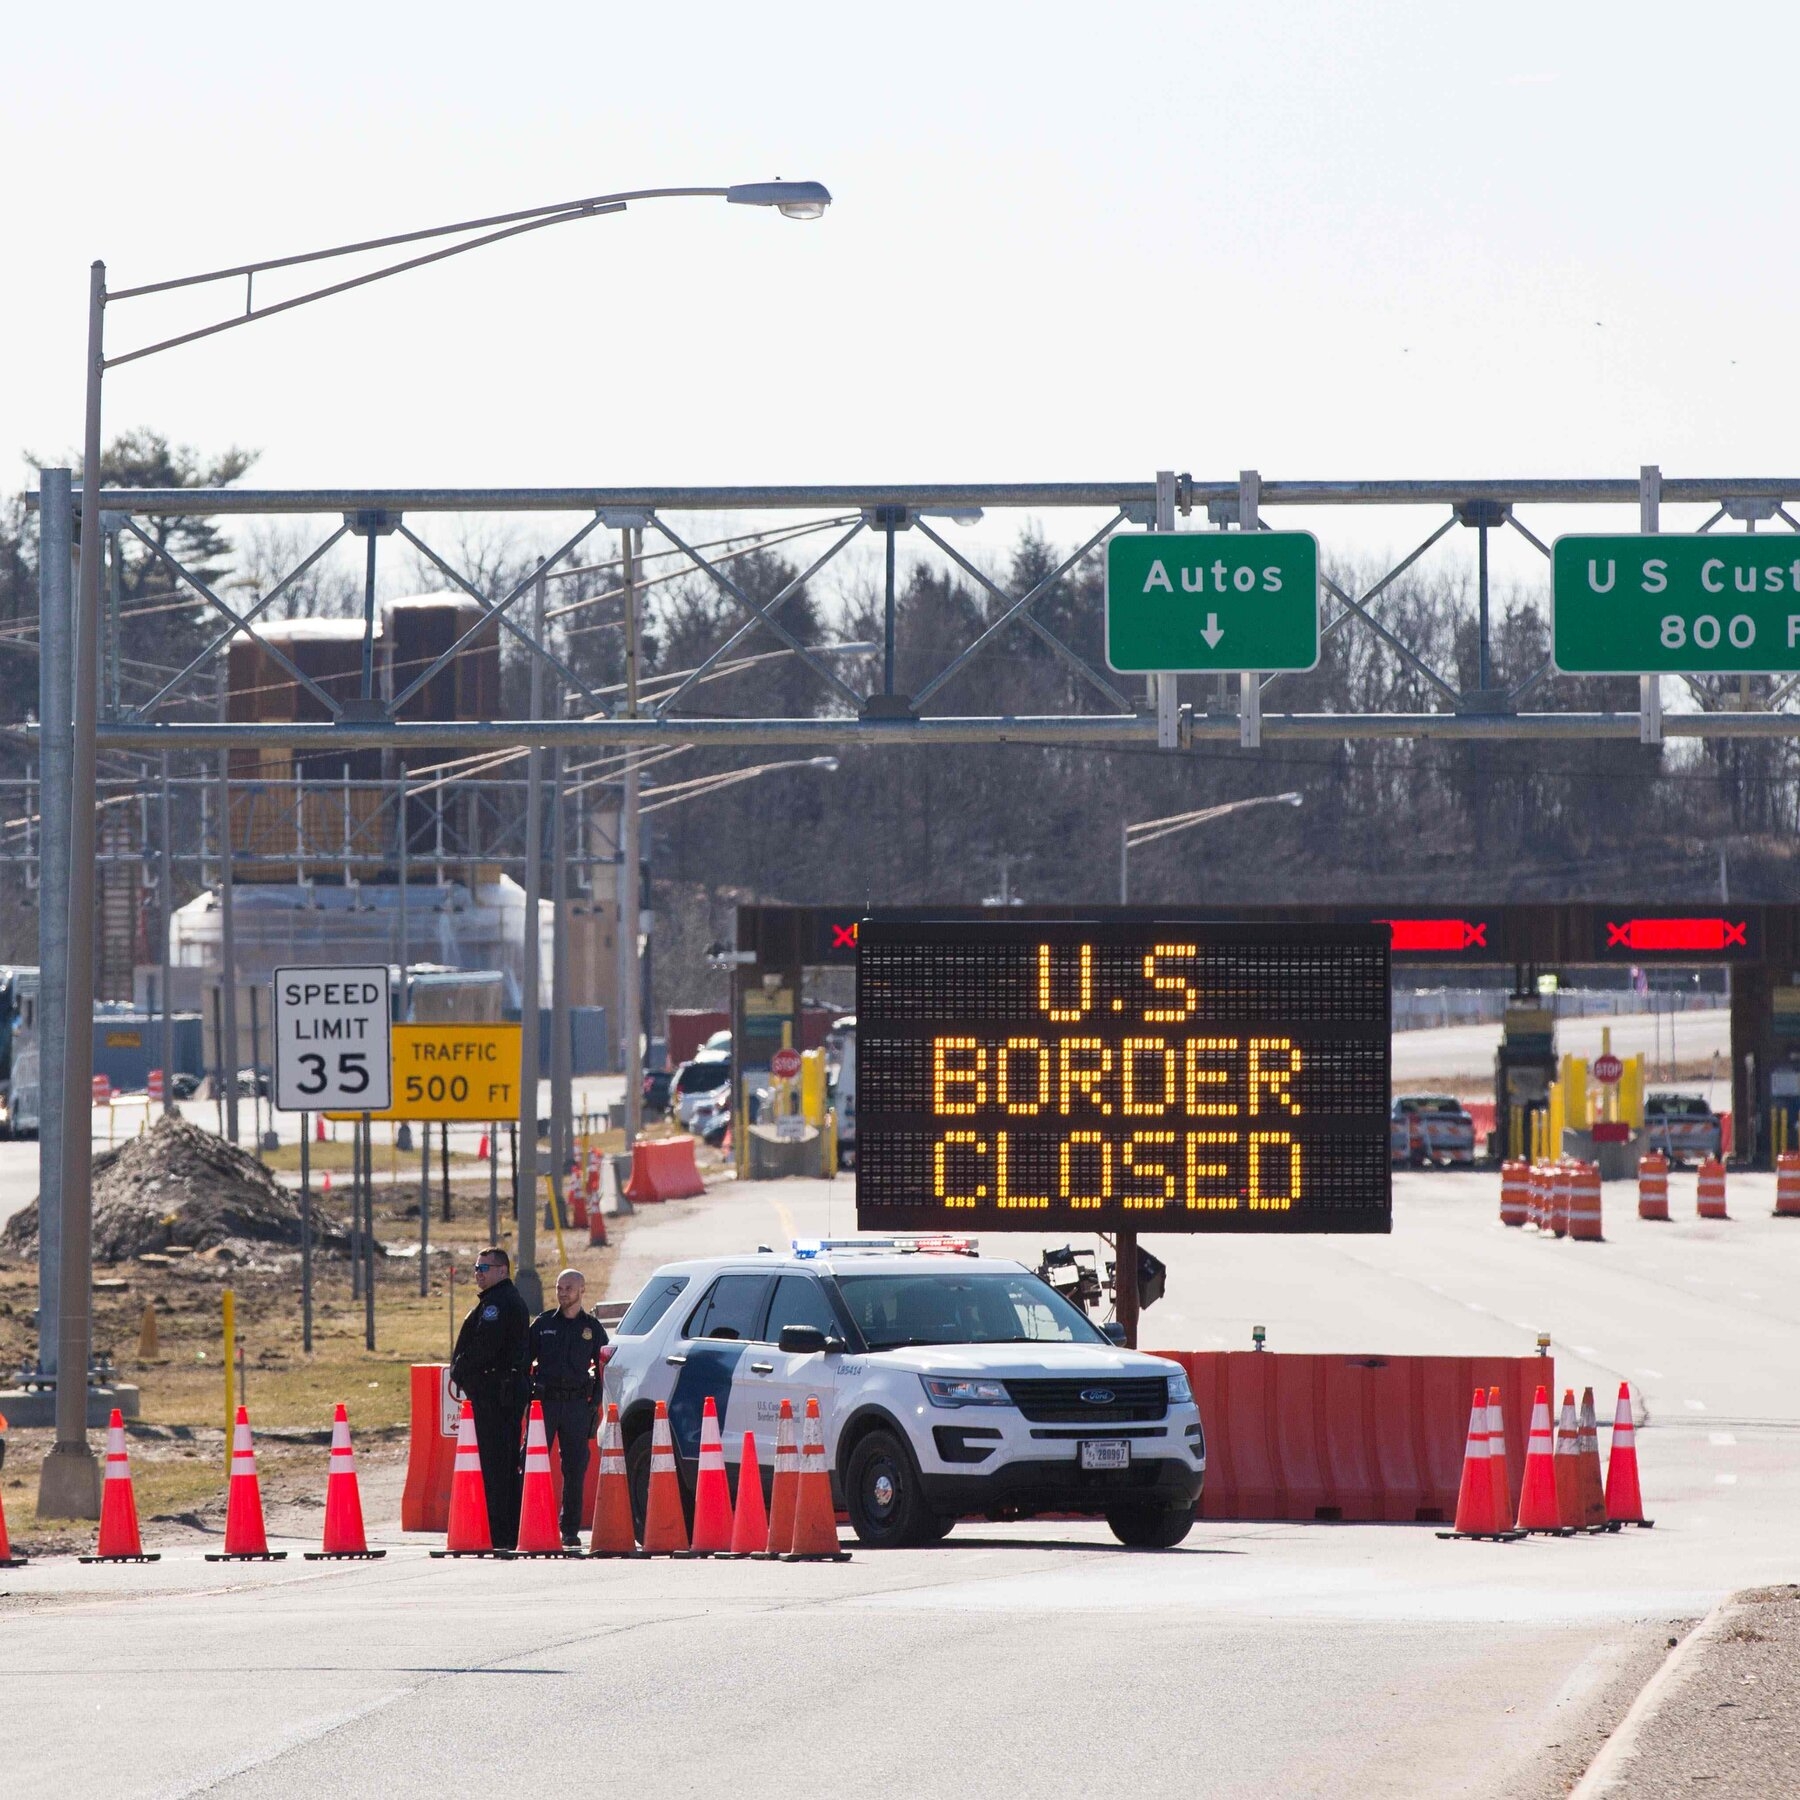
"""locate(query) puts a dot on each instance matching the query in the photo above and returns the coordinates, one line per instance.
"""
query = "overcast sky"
(1069, 241)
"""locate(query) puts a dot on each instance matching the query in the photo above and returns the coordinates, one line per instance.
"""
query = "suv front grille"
(1134, 1399)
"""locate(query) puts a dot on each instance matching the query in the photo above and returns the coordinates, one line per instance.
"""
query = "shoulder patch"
(490, 1311)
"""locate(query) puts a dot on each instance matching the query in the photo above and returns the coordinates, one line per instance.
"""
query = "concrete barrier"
(663, 1169)
(431, 1452)
(1352, 1438)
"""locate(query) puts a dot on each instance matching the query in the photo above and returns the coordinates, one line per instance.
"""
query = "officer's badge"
(587, 1335)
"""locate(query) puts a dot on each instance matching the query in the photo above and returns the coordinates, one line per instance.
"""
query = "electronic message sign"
(1138, 1075)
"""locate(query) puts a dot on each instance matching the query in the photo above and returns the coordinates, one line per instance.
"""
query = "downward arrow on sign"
(1212, 633)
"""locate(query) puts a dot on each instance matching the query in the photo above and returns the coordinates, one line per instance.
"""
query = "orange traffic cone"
(781, 1495)
(469, 1533)
(665, 1528)
(119, 1540)
(1591, 1484)
(613, 1534)
(7, 1559)
(344, 1537)
(750, 1529)
(1624, 1499)
(245, 1538)
(1500, 1482)
(1475, 1517)
(539, 1533)
(815, 1518)
(712, 1491)
(1537, 1492)
(1567, 1462)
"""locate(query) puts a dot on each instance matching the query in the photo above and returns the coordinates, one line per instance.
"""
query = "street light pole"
(1135, 835)
(630, 1004)
(69, 1486)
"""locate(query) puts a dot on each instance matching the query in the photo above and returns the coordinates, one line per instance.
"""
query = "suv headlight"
(964, 1390)
(1180, 1393)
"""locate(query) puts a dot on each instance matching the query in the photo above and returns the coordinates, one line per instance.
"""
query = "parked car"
(1431, 1128)
(702, 1078)
(1682, 1126)
(657, 1083)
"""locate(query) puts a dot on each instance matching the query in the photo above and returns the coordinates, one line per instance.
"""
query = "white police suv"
(951, 1384)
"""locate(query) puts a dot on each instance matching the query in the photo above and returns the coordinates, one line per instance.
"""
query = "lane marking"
(1651, 1374)
(1723, 1439)
(1586, 1350)
(1695, 1405)
(1726, 1479)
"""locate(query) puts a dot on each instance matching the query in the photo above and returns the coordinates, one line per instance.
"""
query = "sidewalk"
(1722, 1716)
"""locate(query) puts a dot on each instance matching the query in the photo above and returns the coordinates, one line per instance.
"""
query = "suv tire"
(1151, 1527)
(884, 1496)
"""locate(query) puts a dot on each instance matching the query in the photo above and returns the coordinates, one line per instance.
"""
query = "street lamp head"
(823, 762)
(792, 199)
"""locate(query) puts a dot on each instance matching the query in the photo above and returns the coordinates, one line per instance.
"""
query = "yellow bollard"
(228, 1305)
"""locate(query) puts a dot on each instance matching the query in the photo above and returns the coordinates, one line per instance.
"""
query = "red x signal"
(1698, 935)
(843, 937)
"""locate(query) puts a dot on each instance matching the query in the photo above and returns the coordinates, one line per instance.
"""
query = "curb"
(1603, 1774)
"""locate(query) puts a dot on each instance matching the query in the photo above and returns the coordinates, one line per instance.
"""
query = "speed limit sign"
(331, 1040)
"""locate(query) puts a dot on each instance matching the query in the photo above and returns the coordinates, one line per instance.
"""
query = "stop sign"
(784, 1065)
(1608, 1068)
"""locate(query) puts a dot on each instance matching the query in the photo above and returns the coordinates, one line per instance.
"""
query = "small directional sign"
(1191, 602)
(331, 1040)
(1677, 604)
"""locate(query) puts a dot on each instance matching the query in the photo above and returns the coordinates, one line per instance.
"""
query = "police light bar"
(937, 1244)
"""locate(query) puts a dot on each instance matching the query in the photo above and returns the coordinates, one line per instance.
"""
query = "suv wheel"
(884, 1496)
(1151, 1527)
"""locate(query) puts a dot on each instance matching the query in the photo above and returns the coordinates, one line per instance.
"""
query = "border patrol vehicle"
(950, 1384)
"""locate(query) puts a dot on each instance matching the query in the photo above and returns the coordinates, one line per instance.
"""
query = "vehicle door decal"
(709, 1370)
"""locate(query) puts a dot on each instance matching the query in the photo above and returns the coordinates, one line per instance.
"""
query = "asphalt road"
(1257, 1659)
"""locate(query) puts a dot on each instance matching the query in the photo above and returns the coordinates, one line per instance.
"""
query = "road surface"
(1040, 1658)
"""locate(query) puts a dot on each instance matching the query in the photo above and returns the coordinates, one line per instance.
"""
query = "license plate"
(1106, 1453)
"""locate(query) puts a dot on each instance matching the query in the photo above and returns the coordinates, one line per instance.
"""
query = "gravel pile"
(179, 1185)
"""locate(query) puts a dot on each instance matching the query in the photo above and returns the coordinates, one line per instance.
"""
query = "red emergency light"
(1437, 934)
(1699, 935)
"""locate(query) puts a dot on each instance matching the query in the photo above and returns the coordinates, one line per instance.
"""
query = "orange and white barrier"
(345, 1539)
(815, 1519)
(750, 1526)
(1584, 1202)
(1624, 1497)
(119, 1540)
(613, 1533)
(1653, 1186)
(1567, 1462)
(1787, 1185)
(781, 1493)
(539, 1534)
(245, 1538)
(1590, 1484)
(1709, 1197)
(712, 1490)
(1538, 1510)
(1515, 1192)
(663, 1169)
(665, 1526)
(468, 1532)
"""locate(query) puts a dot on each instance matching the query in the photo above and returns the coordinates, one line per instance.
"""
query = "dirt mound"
(179, 1185)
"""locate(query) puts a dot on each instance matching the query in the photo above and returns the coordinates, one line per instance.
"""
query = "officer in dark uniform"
(489, 1366)
(566, 1354)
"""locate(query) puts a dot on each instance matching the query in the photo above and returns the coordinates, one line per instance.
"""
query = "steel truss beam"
(1484, 502)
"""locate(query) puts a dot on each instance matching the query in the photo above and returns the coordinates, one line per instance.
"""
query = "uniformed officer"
(489, 1366)
(566, 1354)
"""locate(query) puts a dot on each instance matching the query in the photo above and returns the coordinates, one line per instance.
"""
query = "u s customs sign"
(331, 1039)
(1187, 602)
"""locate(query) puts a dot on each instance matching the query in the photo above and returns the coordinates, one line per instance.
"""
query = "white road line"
(1752, 1296)
(1726, 1480)
(1586, 1350)
(1724, 1439)
(1651, 1374)
(1695, 1405)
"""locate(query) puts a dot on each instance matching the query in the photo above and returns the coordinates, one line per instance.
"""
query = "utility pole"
(525, 1272)
(165, 902)
(561, 1058)
(630, 860)
(56, 603)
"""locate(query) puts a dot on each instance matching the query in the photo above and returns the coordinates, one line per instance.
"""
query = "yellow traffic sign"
(467, 1072)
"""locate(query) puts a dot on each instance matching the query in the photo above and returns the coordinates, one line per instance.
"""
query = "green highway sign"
(1201, 602)
(1669, 604)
